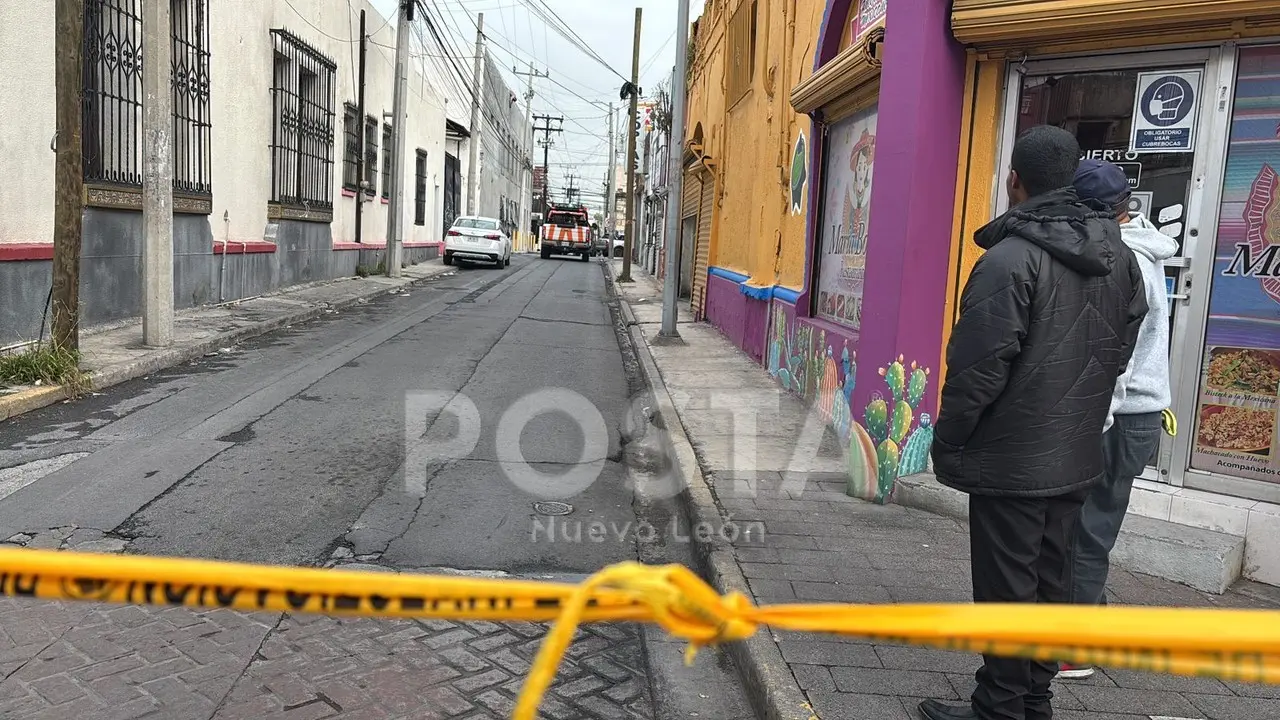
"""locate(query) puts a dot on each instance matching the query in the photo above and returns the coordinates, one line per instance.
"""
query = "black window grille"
(420, 189)
(351, 146)
(302, 128)
(387, 151)
(112, 133)
(370, 155)
(452, 201)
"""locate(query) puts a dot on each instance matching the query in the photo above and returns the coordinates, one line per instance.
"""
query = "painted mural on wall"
(890, 438)
(799, 174)
(850, 166)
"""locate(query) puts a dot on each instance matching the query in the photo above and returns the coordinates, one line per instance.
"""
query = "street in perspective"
(427, 359)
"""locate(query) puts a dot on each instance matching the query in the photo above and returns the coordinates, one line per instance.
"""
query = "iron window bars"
(387, 151)
(351, 146)
(302, 124)
(112, 135)
(420, 188)
(370, 155)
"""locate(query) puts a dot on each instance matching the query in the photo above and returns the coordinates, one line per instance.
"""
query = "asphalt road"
(327, 444)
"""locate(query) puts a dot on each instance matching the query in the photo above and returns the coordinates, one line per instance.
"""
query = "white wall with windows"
(267, 122)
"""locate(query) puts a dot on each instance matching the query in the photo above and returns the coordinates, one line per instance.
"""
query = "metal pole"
(399, 119)
(360, 122)
(610, 222)
(642, 197)
(629, 240)
(477, 131)
(675, 175)
(68, 213)
(157, 175)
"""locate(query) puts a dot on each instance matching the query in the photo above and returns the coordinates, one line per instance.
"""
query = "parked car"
(477, 238)
(619, 244)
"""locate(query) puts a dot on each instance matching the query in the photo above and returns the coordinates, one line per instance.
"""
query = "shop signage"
(846, 214)
(1236, 413)
(1124, 159)
(1140, 203)
(1164, 111)
(870, 15)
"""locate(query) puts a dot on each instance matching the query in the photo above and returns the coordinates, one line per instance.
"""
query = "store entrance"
(1140, 112)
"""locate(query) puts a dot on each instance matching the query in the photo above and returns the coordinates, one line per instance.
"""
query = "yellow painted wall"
(752, 141)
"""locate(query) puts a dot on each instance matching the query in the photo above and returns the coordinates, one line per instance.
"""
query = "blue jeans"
(1126, 449)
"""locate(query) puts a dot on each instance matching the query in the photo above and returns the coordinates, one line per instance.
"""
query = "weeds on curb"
(45, 365)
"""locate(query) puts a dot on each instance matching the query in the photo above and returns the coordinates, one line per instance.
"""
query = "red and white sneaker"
(1067, 671)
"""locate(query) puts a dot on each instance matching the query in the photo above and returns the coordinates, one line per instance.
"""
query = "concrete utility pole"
(675, 175)
(546, 129)
(68, 213)
(157, 175)
(477, 136)
(526, 139)
(634, 90)
(399, 120)
(610, 222)
(360, 186)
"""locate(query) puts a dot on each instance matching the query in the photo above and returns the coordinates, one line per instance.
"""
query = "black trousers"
(1021, 551)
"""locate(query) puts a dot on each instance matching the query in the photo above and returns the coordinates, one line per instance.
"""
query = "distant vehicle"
(599, 242)
(567, 231)
(477, 238)
(619, 244)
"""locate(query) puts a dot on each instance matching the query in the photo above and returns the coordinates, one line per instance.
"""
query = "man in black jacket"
(1048, 321)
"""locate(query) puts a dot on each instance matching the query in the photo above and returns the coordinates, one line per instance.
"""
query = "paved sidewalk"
(115, 353)
(822, 545)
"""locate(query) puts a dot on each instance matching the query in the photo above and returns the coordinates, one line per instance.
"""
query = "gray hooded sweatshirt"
(1144, 386)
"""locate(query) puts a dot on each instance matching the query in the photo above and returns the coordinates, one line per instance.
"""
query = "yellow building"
(743, 223)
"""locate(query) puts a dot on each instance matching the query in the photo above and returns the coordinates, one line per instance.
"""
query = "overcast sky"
(579, 87)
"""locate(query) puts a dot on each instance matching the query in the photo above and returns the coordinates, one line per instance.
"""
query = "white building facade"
(268, 161)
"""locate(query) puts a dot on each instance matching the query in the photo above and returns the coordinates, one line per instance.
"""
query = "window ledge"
(278, 211)
(17, 252)
(243, 248)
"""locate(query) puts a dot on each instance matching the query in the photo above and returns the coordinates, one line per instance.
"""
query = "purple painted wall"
(922, 84)
(743, 320)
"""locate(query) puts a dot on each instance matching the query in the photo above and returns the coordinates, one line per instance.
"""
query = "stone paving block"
(814, 677)
(896, 682)
(841, 592)
(915, 658)
(829, 653)
(849, 705)
(1131, 700)
(1222, 707)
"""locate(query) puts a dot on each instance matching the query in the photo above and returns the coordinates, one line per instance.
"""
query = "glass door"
(1141, 112)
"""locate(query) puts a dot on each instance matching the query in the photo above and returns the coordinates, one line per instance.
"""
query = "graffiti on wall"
(890, 438)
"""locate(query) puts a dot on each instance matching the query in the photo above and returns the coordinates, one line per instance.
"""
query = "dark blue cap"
(1101, 181)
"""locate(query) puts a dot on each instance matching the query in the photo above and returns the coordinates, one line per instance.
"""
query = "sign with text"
(1164, 111)
(870, 14)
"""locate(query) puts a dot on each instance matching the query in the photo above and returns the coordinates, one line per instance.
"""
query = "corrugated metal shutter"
(692, 188)
(702, 250)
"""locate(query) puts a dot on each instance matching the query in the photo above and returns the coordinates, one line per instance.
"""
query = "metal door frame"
(1201, 214)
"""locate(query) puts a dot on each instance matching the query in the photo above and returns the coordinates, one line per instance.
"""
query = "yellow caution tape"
(1241, 645)
(1169, 421)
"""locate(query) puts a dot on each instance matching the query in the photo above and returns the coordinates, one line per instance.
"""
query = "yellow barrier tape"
(1241, 645)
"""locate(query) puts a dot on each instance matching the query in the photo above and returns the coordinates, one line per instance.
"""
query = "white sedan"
(477, 238)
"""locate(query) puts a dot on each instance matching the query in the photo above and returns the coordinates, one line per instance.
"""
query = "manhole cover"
(550, 507)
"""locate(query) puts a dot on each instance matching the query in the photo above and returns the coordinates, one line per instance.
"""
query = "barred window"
(112, 134)
(302, 124)
(388, 149)
(351, 146)
(370, 155)
(420, 189)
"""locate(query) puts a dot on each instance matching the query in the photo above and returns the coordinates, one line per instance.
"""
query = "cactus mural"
(886, 447)
(892, 439)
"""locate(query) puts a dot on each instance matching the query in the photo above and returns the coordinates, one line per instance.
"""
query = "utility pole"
(546, 129)
(632, 88)
(68, 214)
(477, 137)
(157, 176)
(360, 132)
(642, 194)
(399, 118)
(526, 137)
(609, 221)
(675, 176)
(571, 191)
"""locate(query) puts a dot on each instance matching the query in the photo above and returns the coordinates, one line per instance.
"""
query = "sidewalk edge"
(26, 401)
(769, 683)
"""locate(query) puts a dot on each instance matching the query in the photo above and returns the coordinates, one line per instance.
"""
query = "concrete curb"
(36, 398)
(768, 681)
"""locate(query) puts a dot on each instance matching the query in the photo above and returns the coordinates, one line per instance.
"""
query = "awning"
(855, 69)
(1029, 23)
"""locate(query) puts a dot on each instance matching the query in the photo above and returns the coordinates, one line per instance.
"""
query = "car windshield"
(476, 223)
(567, 219)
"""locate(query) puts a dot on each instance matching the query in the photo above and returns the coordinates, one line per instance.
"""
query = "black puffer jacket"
(1048, 321)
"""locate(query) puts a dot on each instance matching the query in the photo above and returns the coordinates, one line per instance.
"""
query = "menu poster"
(1236, 423)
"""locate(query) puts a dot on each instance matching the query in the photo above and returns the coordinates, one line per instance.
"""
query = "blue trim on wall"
(728, 275)
(754, 292)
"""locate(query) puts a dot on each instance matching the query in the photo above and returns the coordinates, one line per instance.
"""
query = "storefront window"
(850, 160)
(1240, 374)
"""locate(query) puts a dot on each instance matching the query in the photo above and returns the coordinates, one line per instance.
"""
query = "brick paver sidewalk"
(821, 545)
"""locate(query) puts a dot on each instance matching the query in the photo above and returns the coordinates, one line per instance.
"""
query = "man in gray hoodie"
(1131, 434)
